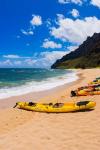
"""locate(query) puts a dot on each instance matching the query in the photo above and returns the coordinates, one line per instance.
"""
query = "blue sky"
(35, 33)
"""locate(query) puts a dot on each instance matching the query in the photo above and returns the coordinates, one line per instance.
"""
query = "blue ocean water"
(17, 81)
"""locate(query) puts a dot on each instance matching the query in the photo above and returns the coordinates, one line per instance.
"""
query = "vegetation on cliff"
(86, 56)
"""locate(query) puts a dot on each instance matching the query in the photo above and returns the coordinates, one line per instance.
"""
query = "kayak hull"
(67, 107)
(85, 93)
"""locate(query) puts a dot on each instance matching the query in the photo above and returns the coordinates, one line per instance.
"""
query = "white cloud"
(95, 3)
(71, 48)
(10, 63)
(75, 31)
(44, 59)
(11, 56)
(75, 13)
(51, 44)
(28, 32)
(6, 63)
(30, 61)
(60, 16)
(70, 1)
(36, 20)
(48, 22)
(52, 56)
(18, 62)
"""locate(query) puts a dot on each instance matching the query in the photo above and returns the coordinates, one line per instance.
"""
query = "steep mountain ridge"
(86, 56)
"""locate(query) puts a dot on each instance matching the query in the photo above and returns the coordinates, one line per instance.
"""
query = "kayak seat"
(82, 103)
(50, 104)
(58, 105)
(31, 104)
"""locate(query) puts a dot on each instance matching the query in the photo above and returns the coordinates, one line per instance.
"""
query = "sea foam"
(34, 86)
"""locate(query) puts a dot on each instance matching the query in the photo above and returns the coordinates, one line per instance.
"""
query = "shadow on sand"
(78, 111)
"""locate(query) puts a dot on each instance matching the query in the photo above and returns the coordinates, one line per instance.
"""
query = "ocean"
(15, 81)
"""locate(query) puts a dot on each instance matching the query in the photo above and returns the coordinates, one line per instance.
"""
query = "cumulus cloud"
(38, 60)
(30, 62)
(41, 60)
(6, 63)
(28, 32)
(10, 63)
(75, 13)
(48, 22)
(51, 44)
(60, 16)
(46, 59)
(96, 3)
(77, 30)
(51, 56)
(11, 56)
(71, 48)
(18, 62)
(70, 1)
(36, 20)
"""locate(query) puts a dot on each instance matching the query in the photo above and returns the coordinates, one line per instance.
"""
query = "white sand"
(24, 130)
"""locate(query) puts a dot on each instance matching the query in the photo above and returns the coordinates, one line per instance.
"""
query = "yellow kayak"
(57, 107)
(94, 83)
(84, 93)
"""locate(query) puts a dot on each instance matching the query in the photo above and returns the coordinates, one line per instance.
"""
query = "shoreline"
(38, 96)
(20, 129)
(42, 86)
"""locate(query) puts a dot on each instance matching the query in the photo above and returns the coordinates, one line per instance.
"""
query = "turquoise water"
(17, 81)
(16, 77)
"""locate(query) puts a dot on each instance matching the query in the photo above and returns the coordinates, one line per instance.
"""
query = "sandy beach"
(24, 130)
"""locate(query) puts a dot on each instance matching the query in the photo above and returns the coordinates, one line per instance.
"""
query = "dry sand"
(24, 130)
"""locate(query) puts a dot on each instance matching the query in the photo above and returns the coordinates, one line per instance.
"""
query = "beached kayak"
(57, 107)
(94, 83)
(84, 93)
